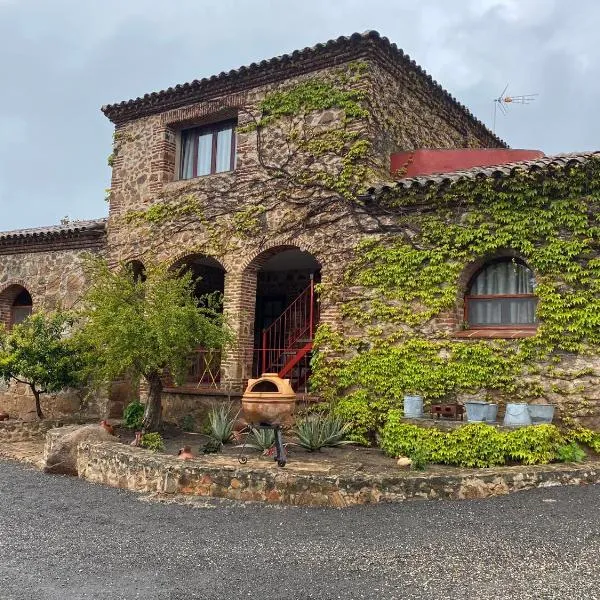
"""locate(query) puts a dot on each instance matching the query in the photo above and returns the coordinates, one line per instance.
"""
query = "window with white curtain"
(208, 150)
(502, 294)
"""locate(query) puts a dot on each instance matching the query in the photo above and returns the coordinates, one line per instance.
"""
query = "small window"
(208, 150)
(21, 308)
(502, 295)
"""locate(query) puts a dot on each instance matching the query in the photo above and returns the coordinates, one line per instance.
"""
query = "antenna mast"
(502, 102)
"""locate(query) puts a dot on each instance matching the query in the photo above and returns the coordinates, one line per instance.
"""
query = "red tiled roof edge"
(332, 52)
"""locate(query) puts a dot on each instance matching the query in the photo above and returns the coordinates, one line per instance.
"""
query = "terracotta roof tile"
(74, 227)
(334, 51)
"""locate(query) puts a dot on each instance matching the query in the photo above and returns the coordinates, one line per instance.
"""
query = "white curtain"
(502, 278)
(187, 158)
(224, 141)
(205, 142)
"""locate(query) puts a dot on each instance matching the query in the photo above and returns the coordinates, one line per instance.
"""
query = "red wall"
(427, 162)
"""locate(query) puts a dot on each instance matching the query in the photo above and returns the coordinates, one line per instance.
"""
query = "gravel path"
(63, 539)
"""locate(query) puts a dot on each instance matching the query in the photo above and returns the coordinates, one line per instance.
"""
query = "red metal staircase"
(288, 341)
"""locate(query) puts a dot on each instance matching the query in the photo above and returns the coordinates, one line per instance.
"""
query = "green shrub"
(360, 417)
(133, 415)
(419, 460)
(403, 439)
(475, 444)
(188, 423)
(585, 436)
(319, 431)
(571, 452)
(152, 441)
(221, 422)
(534, 445)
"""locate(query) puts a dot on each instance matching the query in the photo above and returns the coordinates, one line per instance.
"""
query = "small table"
(452, 411)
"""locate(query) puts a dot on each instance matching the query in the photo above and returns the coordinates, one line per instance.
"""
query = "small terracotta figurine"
(107, 426)
(185, 453)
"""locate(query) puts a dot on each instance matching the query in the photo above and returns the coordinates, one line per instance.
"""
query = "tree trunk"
(153, 413)
(38, 406)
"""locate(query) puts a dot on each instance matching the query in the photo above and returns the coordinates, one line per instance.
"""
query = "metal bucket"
(492, 412)
(477, 411)
(413, 407)
(517, 415)
(541, 413)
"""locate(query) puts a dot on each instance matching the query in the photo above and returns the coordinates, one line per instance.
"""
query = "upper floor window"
(501, 294)
(207, 150)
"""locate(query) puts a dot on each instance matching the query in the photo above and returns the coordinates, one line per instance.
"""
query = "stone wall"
(178, 404)
(19, 431)
(140, 470)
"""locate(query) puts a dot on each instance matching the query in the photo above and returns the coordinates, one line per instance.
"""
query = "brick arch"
(267, 251)
(178, 259)
(8, 294)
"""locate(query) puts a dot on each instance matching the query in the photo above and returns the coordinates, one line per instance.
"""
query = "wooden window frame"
(214, 130)
(476, 326)
(468, 298)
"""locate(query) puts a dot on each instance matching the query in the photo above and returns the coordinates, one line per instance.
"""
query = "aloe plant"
(261, 439)
(221, 421)
(319, 431)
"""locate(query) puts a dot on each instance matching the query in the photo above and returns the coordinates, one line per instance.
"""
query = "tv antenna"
(502, 102)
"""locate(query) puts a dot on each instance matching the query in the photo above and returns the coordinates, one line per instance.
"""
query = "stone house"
(265, 181)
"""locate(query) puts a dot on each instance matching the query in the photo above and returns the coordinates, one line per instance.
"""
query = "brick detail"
(495, 333)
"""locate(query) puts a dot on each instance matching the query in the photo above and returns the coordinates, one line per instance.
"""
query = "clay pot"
(4, 416)
(269, 400)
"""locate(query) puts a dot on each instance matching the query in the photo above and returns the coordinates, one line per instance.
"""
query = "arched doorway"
(209, 284)
(16, 305)
(286, 314)
(138, 270)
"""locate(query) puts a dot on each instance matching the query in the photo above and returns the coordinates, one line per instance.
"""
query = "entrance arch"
(16, 305)
(209, 285)
(286, 313)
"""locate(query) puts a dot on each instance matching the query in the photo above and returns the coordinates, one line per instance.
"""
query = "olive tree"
(146, 327)
(41, 353)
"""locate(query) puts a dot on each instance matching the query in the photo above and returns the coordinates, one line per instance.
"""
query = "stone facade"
(48, 263)
(406, 110)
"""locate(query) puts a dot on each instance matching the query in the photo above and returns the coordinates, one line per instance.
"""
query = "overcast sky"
(60, 60)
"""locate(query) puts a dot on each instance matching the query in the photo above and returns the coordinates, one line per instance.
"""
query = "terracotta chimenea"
(269, 400)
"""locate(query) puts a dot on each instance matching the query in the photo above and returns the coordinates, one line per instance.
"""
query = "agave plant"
(221, 421)
(318, 431)
(261, 439)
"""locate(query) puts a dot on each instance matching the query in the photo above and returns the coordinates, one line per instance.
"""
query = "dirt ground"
(370, 459)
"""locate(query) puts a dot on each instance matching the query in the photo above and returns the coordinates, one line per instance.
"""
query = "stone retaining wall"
(20, 431)
(141, 470)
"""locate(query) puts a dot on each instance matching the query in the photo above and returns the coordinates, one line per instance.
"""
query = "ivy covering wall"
(390, 342)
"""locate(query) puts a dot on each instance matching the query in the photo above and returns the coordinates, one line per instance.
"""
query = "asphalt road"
(63, 539)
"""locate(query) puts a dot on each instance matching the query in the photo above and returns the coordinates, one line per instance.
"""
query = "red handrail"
(287, 335)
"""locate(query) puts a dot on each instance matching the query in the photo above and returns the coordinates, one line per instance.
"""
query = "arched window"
(21, 307)
(501, 294)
